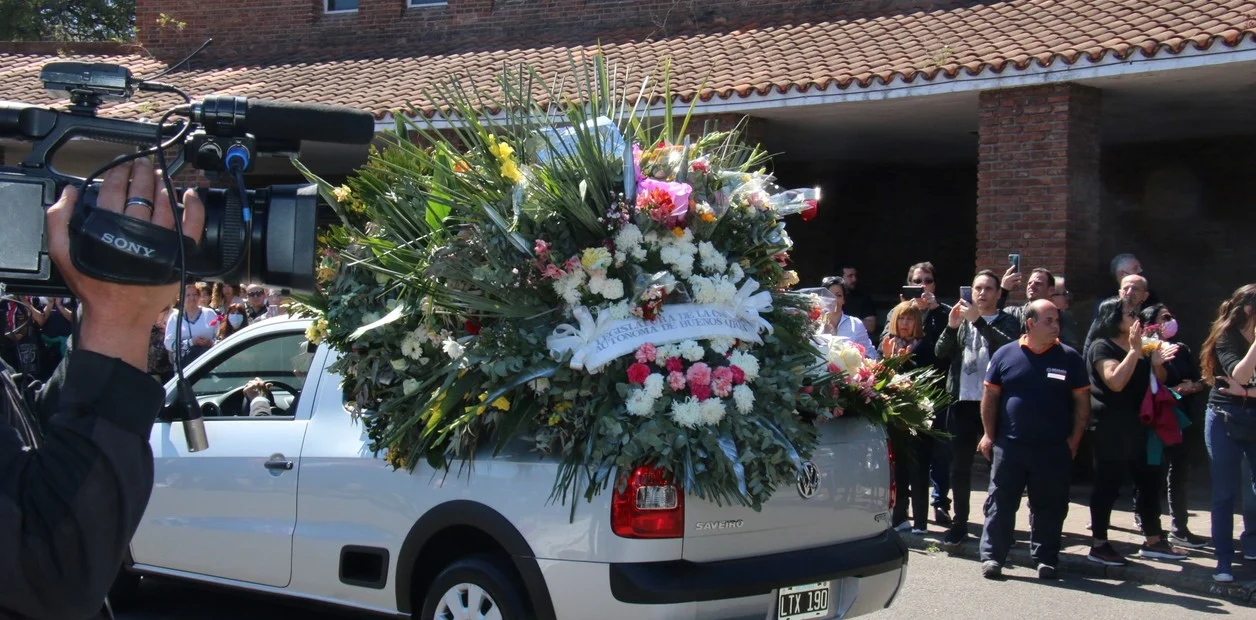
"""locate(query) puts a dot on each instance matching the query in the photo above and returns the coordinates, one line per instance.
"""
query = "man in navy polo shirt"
(1034, 409)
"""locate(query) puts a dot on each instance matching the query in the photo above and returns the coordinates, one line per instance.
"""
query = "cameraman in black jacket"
(76, 470)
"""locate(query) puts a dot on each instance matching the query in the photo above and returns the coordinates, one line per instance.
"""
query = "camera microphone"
(281, 120)
(193, 421)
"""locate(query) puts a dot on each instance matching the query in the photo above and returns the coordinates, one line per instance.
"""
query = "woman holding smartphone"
(1228, 362)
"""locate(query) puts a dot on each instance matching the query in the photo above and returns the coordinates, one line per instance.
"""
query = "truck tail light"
(649, 506)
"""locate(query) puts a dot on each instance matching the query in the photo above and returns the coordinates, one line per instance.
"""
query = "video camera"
(262, 235)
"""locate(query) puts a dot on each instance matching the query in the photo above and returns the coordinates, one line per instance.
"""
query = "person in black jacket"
(76, 470)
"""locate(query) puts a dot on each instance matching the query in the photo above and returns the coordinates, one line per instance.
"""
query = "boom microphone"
(282, 120)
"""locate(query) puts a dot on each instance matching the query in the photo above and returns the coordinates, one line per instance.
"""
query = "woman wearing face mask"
(233, 321)
(1183, 377)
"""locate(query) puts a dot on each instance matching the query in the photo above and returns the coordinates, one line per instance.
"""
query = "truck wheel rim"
(467, 601)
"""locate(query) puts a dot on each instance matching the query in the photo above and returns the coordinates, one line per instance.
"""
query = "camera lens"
(280, 250)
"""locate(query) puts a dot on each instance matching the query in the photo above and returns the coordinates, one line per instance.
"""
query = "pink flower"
(676, 381)
(637, 373)
(722, 387)
(700, 167)
(679, 193)
(674, 364)
(572, 264)
(739, 375)
(541, 248)
(699, 374)
(861, 349)
(700, 392)
(646, 353)
(723, 373)
(838, 412)
(553, 272)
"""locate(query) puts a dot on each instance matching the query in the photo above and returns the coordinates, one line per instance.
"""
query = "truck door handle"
(282, 465)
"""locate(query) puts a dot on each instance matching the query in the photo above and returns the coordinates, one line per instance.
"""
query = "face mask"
(235, 320)
(1169, 328)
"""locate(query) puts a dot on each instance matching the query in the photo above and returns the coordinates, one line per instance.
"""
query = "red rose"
(813, 207)
(637, 373)
(700, 392)
(674, 365)
(739, 375)
(472, 327)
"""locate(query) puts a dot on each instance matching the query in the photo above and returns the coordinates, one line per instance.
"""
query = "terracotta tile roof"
(801, 56)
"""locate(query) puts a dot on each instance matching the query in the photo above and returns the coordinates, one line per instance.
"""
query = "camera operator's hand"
(117, 318)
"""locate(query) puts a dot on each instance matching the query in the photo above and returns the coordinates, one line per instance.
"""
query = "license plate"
(803, 602)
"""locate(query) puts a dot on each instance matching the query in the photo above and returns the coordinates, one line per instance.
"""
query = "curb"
(1241, 593)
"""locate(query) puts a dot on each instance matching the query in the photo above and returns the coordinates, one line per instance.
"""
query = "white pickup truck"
(294, 504)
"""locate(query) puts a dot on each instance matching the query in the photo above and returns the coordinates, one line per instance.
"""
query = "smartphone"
(1014, 261)
(913, 292)
(966, 294)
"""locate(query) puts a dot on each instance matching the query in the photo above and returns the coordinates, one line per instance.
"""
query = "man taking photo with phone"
(76, 469)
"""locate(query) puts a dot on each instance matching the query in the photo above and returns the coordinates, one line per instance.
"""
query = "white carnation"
(725, 290)
(613, 288)
(452, 348)
(712, 411)
(620, 258)
(743, 397)
(712, 260)
(637, 253)
(720, 345)
(684, 266)
(640, 404)
(669, 254)
(662, 352)
(654, 385)
(568, 286)
(748, 364)
(688, 413)
(619, 311)
(704, 291)
(691, 350)
(628, 237)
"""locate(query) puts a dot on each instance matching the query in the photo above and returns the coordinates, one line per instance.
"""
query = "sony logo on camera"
(126, 245)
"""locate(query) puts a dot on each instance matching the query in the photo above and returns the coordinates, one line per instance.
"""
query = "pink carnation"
(674, 364)
(700, 392)
(723, 373)
(722, 387)
(646, 353)
(739, 375)
(637, 373)
(676, 381)
(699, 374)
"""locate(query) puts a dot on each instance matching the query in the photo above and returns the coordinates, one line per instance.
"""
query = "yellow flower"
(511, 171)
(502, 403)
(789, 278)
(563, 406)
(316, 331)
(500, 150)
(678, 232)
(342, 193)
(708, 217)
(555, 419)
(595, 258)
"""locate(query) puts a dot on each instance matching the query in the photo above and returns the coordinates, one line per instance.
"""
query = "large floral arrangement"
(535, 275)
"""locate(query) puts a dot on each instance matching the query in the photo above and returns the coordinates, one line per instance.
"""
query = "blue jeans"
(1226, 457)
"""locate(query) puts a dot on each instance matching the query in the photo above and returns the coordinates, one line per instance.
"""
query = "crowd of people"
(37, 330)
(1027, 393)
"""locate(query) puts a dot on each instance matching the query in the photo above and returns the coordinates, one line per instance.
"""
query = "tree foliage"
(67, 20)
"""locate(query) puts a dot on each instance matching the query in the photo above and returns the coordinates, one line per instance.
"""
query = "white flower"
(743, 397)
(539, 385)
(662, 352)
(651, 239)
(688, 413)
(712, 260)
(691, 350)
(654, 385)
(669, 254)
(411, 346)
(736, 273)
(568, 286)
(399, 365)
(640, 404)
(703, 290)
(637, 253)
(613, 288)
(684, 266)
(628, 237)
(843, 354)
(725, 290)
(927, 405)
(620, 257)
(452, 348)
(748, 364)
(720, 345)
(619, 311)
(712, 411)
(410, 386)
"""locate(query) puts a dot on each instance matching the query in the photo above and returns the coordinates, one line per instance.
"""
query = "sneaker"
(1222, 577)
(991, 569)
(1186, 539)
(1161, 551)
(919, 531)
(1249, 557)
(1106, 555)
(954, 537)
(902, 527)
(1046, 572)
(942, 516)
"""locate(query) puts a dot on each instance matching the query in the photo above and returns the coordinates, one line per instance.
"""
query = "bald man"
(1034, 409)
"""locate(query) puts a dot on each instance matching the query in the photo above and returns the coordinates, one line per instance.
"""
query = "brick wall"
(1038, 181)
(170, 28)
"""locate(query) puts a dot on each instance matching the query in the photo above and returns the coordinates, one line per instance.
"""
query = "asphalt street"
(938, 586)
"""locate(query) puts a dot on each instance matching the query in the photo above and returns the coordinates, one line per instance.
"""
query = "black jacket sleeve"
(70, 504)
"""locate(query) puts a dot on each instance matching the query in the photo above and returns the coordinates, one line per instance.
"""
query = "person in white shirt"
(843, 325)
(200, 326)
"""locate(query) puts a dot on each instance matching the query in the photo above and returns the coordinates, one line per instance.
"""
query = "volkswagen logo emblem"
(808, 480)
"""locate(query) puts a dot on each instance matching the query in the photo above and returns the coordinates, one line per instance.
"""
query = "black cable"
(181, 62)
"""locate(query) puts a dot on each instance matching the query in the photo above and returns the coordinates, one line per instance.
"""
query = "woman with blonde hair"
(913, 453)
(1228, 363)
